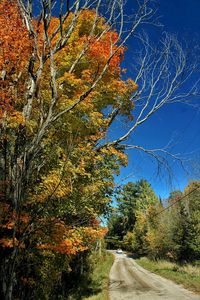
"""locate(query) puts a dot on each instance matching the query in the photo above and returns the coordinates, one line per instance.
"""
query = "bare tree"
(166, 73)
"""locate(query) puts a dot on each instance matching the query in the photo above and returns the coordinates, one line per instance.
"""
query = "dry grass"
(190, 269)
(188, 275)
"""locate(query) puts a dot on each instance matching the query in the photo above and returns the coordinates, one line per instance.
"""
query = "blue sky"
(178, 122)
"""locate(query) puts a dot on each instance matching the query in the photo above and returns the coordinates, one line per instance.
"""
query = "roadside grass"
(188, 274)
(100, 278)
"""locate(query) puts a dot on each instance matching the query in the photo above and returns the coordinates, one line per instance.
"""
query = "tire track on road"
(129, 281)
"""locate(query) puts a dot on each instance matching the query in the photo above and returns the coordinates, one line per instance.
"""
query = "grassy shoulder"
(188, 275)
(100, 278)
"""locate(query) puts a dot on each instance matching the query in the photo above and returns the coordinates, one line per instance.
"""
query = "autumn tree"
(56, 183)
(175, 224)
(170, 231)
(186, 230)
(137, 202)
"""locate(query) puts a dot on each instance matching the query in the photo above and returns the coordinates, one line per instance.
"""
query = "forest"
(63, 90)
(145, 226)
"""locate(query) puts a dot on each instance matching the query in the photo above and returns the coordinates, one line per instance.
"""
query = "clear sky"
(178, 122)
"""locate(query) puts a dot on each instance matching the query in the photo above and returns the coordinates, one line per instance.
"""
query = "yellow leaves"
(151, 238)
(118, 87)
(132, 85)
(71, 79)
(117, 153)
(86, 106)
(31, 125)
(52, 185)
(96, 119)
(87, 75)
(92, 188)
(70, 89)
(58, 230)
(71, 84)
(141, 221)
(86, 21)
(98, 136)
(93, 234)
(193, 185)
(15, 119)
(82, 166)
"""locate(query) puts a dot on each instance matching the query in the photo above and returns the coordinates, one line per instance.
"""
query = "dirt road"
(129, 281)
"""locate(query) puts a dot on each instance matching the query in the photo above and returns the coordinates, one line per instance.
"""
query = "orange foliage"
(75, 240)
(102, 49)
(9, 243)
(61, 238)
(15, 47)
(10, 220)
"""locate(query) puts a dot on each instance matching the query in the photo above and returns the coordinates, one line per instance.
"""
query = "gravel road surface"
(129, 281)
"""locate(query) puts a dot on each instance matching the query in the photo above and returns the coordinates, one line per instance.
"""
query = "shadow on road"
(132, 255)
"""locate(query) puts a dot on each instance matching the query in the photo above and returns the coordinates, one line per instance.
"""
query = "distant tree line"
(142, 224)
